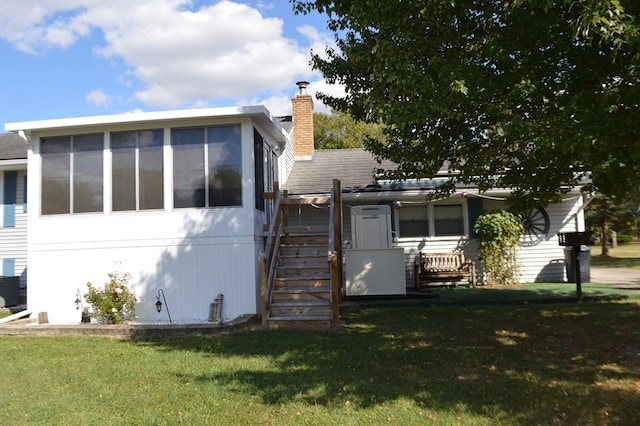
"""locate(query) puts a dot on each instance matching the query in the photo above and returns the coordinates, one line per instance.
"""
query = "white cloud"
(97, 98)
(178, 54)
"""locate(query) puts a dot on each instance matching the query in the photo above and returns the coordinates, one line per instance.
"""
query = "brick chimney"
(302, 112)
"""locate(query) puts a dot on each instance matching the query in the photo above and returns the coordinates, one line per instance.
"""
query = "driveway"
(628, 278)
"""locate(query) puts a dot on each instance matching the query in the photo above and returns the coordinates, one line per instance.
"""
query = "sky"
(77, 58)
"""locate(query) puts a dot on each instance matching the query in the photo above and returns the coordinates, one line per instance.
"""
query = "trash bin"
(584, 257)
(9, 291)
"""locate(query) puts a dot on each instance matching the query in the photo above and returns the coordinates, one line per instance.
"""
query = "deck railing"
(270, 255)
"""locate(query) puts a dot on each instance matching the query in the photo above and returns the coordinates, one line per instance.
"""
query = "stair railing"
(270, 256)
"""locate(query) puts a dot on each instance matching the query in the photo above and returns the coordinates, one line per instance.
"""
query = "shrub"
(114, 303)
(499, 238)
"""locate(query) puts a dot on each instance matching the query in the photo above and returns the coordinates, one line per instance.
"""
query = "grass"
(475, 364)
(624, 256)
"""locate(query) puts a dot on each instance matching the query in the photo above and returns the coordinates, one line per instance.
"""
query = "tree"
(339, 130)
(606, 213)
(533, 95)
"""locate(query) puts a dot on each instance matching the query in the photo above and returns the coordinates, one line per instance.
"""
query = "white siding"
(191, 274)
(285, 163)
(544, 262)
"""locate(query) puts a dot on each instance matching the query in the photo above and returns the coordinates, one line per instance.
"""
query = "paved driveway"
(626, 277)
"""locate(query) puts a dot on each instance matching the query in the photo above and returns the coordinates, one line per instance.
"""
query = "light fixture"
(78, 302)
(159, 303)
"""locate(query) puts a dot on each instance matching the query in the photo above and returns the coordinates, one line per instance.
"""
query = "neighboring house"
(13, 214)
(175, 198)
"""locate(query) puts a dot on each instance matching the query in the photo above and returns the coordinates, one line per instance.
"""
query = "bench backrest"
(442, 261)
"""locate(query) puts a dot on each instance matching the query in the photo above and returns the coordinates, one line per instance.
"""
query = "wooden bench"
(443, 269)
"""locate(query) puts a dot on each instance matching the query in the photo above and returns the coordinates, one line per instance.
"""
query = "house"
(181, 200)
(13, 216)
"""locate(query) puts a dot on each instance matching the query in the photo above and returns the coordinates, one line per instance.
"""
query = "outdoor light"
(78, 302)
(159, 303)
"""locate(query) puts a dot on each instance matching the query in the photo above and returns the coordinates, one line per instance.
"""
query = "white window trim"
(430, 206)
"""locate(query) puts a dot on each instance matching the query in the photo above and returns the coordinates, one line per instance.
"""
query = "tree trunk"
(605, 236)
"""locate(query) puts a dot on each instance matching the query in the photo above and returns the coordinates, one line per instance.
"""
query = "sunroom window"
(137, 170)
(207, 166)
(72, 178)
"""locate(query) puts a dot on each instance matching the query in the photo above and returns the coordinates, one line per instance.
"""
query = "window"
(448, 220)
(72, 174)
(260, 155)
(207, 166)
(414, 221)
(137, 170)
(225, 166)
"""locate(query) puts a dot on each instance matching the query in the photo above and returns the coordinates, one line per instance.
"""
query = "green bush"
(499, 238)
(114, 303)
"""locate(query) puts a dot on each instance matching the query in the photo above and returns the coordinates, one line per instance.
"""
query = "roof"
(257, 112)
(354, 167)
(12, 147)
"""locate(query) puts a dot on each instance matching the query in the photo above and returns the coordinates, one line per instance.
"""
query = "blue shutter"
(24, 194)
(10, 191)
(8, 267)
(474, 210)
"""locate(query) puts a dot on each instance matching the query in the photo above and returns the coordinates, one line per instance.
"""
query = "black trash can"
(584, 257)
(9, 291)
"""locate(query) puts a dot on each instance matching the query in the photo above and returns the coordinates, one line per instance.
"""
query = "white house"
(177, 199)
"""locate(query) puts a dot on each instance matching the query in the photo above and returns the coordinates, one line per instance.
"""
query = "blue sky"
(74, 58)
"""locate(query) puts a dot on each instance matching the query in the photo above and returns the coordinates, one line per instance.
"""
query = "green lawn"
(624, 256)
(474, 364)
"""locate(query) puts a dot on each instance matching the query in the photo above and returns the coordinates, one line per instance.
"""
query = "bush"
(499, 238)
(114, 303)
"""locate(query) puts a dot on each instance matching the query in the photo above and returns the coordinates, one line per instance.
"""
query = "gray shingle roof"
(354, 167)
(12, 147)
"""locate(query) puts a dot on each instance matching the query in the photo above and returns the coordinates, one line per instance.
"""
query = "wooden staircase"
(301, 296)
(301, 267)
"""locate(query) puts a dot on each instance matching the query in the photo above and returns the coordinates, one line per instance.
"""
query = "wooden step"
(313, 250)
(309, 323)
(311, 273)
(317, 281)
(303, 262)
(304, 240)
(319, 230)
(299, 312)
(300, 304)
(303, 291)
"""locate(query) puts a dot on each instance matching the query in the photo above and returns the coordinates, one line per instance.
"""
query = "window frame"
(430, 211)
(73, 175)
(140, 184)
(204, 179)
